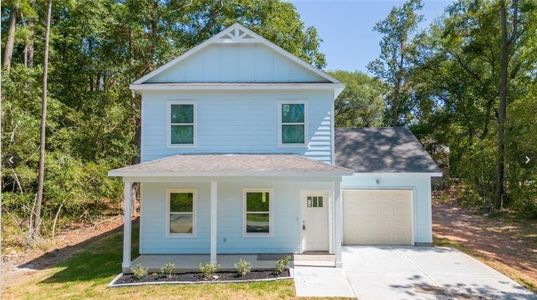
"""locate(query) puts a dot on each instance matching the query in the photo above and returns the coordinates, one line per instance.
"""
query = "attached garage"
(377, 217)
(387, 201)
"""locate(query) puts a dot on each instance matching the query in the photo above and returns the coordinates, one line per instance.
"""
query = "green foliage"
(455, 84)
(282, 264)
(208, 270)
(361, 102)
(139, 271)
(397, 57)
(243, 267)
(167, 269)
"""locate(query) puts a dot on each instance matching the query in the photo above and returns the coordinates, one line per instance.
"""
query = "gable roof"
(232, 165)
(382, 150)
(237, 34)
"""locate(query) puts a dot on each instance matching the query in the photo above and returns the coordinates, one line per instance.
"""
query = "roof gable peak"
(237, 34)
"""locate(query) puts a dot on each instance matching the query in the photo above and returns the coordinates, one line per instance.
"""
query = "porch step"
(314, 260)
(315, 263)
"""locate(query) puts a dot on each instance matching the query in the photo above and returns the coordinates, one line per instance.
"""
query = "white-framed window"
(182, 124)
(257, 212)
(181, 212)
(292, 116)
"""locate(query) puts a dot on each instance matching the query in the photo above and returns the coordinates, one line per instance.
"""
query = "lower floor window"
(181, 212)
(257, 212)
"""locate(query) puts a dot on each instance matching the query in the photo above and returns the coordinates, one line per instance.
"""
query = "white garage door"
(377, 217)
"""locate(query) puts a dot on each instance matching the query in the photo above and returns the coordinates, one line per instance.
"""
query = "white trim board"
(224, 86)
(237, 34)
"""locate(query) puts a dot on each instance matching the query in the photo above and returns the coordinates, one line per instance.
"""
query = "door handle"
(303, 225)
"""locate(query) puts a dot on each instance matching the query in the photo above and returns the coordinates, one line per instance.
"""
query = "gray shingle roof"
(232, 165)
(384, 150)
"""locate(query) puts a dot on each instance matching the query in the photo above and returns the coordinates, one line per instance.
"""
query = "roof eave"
(309, 174)
(337, 87)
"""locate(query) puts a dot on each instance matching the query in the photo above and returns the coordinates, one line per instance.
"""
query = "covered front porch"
(234, 206)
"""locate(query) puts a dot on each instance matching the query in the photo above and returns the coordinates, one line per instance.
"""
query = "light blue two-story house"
(240, 157)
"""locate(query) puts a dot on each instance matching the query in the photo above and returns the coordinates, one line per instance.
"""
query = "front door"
(315, 221)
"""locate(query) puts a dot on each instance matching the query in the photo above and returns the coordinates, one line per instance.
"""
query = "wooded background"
(466, 86)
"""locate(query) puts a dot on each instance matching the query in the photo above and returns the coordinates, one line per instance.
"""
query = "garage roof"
(232, 165)
(382, 150)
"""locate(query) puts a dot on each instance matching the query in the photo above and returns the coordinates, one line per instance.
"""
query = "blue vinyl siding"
(285, 237)
(236, 63)
(238, 122)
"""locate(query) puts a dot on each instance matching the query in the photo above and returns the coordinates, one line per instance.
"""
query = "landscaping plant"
(282, 264)
(139, 271)
(243, 267)
(167, 269)
(208, 269)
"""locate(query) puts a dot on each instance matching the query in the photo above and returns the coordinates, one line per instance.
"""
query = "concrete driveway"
(424, 273)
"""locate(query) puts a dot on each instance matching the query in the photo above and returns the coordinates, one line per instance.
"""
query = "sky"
(346, 27)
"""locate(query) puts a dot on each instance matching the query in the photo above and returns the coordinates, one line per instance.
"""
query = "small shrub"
(139, 271)
(208, 269)
(167, 269)
(282, 264)
(243, 267)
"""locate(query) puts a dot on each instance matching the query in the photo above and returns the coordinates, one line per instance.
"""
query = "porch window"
(257, 217)
(293, 120)
(181, 207)
(181, 123)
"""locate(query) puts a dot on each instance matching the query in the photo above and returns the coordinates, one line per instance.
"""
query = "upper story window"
(293, 123)
(181, 124)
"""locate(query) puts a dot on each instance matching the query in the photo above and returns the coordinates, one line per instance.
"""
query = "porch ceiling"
(232, 165)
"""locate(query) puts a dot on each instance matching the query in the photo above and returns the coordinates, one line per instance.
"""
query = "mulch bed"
(197, 277)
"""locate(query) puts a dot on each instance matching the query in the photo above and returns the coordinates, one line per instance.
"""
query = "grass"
(518, 276)
(86, 274)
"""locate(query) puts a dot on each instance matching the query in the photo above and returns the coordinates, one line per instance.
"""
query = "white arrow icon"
(10, 160)
(527, 160)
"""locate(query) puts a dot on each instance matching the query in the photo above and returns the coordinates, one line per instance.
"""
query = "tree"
(508, 41)
(395, 61)
(35, 227)
(464, 86)
(361, 103)
(10, 41)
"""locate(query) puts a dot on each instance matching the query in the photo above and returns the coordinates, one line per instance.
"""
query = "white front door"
(315, 221)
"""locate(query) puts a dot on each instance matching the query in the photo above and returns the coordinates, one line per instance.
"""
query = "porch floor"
(191, 262)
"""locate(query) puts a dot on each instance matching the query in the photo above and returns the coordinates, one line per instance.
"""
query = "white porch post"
(338, 221)
(127, 225)
(214, 210)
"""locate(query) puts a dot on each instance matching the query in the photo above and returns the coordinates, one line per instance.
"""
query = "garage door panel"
(381, 217)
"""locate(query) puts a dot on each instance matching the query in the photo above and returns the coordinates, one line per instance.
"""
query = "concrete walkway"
(407, 273)
(425, 273)
(321, 282)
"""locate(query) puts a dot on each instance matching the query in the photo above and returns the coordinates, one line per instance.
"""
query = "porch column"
(127, 224)
(338, 222)
(214, 210)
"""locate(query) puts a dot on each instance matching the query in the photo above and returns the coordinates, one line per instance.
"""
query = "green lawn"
(86, 275)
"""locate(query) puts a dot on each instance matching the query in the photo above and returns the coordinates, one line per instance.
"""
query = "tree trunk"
(41, 176)
(10, 41)
(502, 109)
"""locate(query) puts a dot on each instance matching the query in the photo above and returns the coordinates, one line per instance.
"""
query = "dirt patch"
(502, 240)
(197, 277)
(20, 267)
